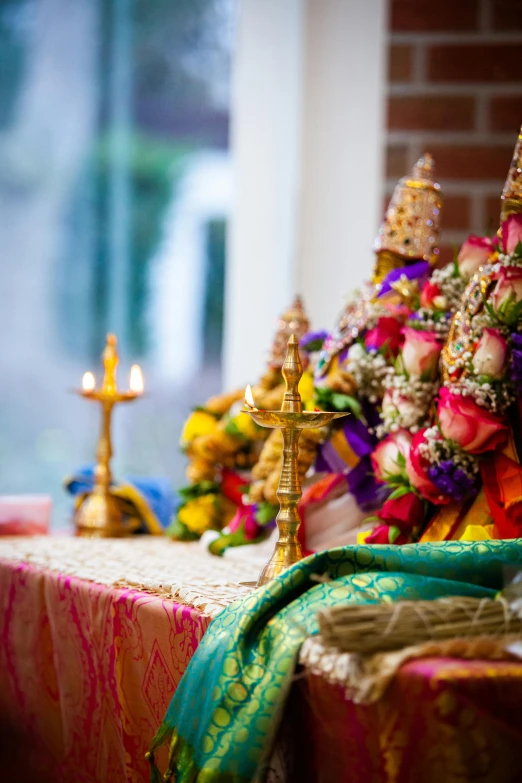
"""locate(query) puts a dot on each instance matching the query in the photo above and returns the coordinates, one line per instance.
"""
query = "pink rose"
(511, 233)
(491, 354)
(386, 534)
(387, 334)
(420, 352)
(416, 470)
(430, 295)
(474, 253)
(385, 458)
(508, 287)
(472, 427)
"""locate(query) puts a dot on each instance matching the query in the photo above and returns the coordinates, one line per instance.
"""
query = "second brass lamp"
(291, 420)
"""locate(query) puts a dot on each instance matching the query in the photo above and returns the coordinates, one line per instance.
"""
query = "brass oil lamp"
(100, 513)
(291, 420)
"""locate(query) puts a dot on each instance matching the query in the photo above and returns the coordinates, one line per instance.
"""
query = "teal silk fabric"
(223, 718)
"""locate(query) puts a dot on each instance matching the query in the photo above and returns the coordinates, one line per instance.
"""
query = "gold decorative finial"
(411, 226)
(511, 199)
(293, 321)
(110, 360)
(292, 371)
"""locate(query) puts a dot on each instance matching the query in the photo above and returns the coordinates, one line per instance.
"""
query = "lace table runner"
(184, 572)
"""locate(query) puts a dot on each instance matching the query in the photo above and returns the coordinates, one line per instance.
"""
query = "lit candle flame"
(136, 379)
(249, 397)
(88, 382)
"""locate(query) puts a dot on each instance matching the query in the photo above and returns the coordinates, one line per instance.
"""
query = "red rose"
(231, 486)
(387, 334)
(405, 512)
(416, 469)
(472, 427)
(384, 534)
(429, 293)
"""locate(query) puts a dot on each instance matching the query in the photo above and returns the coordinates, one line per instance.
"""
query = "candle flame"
(88, 382)
(249, 397)
(136, 379)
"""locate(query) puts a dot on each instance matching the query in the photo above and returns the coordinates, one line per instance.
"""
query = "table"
(88, 669)
(89, 662)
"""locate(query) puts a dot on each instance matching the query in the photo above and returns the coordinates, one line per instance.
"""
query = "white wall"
(307, 143)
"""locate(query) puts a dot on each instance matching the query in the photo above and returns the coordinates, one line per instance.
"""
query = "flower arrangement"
(428, 464)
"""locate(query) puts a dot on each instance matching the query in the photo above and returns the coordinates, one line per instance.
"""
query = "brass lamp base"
(100, 516)
(283, 556)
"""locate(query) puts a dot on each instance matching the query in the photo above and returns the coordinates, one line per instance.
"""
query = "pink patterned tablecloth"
(87, 671)
(86, 674)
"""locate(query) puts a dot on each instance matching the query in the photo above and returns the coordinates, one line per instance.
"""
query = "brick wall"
(455, 90)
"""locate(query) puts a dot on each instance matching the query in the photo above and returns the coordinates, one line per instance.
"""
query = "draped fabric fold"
(223, 718)
(502, 478)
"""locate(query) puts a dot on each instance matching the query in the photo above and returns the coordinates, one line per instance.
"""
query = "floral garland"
(482, 371)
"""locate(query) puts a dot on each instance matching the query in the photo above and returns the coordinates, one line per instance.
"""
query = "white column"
(260, 281)
(342, 150)
(307, 142)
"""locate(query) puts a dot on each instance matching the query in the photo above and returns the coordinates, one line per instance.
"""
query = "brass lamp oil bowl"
(291, 420)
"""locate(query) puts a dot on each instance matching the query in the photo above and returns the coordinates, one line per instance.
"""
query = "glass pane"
(115, 191)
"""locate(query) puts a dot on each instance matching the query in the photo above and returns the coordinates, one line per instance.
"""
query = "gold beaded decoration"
(412, 222)
(511, 199)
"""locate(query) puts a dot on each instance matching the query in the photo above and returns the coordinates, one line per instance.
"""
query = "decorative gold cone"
(412, 223)
(293, 321)
(511, 199)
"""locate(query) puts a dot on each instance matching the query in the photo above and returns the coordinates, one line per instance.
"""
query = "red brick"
(506, 14)
(491, 213)
(396, 161)
(475, 63)
(433, 112)
(505, 113)
(430, 15)
(400, 63)
(472, 161)
(456, 213)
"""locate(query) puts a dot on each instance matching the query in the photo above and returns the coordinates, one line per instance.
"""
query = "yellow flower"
(199, 514)
(246, 426)
(306, 390)
(198, 423)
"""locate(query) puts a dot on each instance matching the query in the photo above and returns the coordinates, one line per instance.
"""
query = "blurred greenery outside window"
(145, 86)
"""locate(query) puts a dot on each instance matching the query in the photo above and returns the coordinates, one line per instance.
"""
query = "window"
(115, 190)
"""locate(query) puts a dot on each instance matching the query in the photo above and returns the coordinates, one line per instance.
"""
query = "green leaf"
(266, 513)
(198, 489)
(233, 430)
(313, 346)
(202, 409)
(400, 492)
(518, 250)
(394, 533)
(180, 531)
(329, 400)
(401, 460)
(372, 520)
